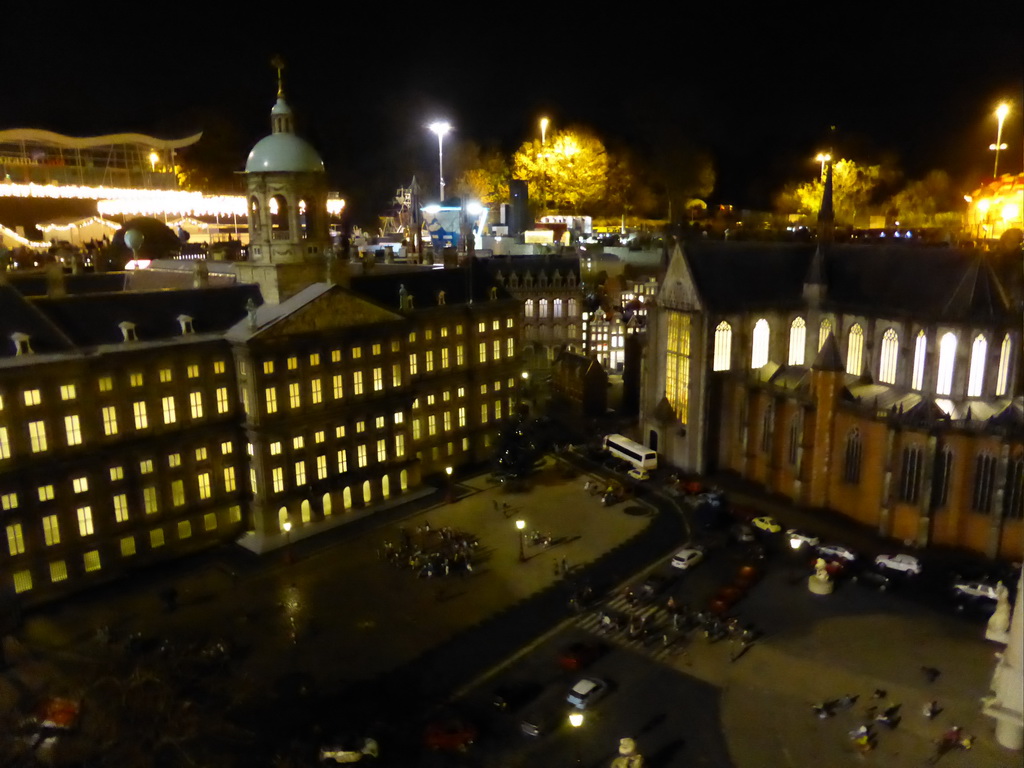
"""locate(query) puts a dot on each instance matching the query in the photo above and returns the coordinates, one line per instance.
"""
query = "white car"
(904, 563)
(795, 534)
(687, 558)
(837, 552)
(586, 692)
(977, 590)
(639, 474)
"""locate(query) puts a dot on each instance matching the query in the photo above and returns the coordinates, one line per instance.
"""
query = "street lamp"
(287, 528)
(451, 495)
(823, 158)
(576, 720)
(441, 128)
(544, 122)
(520, 525)
(1001, 112)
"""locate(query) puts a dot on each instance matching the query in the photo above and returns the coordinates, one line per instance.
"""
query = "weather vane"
(278, 63)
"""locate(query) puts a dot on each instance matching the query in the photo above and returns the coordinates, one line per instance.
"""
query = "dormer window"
(22, 344)
(185, 321)
(128, 330)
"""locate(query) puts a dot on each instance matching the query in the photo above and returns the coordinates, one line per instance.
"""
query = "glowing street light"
(451, 490)
(154, 158)
(1001, 112)
(544, 122)
(823, 158)
(520, 525)
(441, 128)
(576, 720)
(287, 528)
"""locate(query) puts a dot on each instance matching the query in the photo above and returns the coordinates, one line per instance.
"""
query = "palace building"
(883, 383)
(140, 424)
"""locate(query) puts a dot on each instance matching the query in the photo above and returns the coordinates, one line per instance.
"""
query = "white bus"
(638, 455)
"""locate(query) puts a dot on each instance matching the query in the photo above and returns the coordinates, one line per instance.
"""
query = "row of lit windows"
(39, 441)
(91, 560)
(320, 467)
(888, 358)
(556, 308)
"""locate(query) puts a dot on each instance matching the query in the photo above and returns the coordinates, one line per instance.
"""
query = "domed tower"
(287, 199)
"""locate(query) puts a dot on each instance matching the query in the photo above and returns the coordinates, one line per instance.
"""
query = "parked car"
(903, 563)
(766, 523)
(587, 691)
(516, 695)
(687, 558)
(795, 534)
(639, 474)
(837, 552)
(874, 578)
(541, 720)
(350, 751)
(975, 590)
(451, 734)
(578, 655)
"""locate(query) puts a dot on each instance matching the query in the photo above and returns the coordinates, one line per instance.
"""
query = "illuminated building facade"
(996, 207)
(882, 383)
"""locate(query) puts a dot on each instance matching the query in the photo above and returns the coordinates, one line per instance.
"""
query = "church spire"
(826, 213)
(278, 63)
(281, 114)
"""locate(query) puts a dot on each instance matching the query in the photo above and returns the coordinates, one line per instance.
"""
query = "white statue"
(821, 569)
(999, 622)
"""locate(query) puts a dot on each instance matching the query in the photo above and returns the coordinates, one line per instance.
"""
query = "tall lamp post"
(544, 123)
(823, 158)
(451, 494)
(520, 525)
(441, 128)
(576, 720)
(1001, 112)
(287, 528)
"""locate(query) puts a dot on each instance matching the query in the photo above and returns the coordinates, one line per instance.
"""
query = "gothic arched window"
(920, 353)
(797, 341)
(824, 329)
(890, 351)
(910, 476)
(984, 483)
(855, 350)
(254, 212)
(723, 346)
(1003, 374)
(947, 359)
(976, 377)
(851, 459)
(759, 347)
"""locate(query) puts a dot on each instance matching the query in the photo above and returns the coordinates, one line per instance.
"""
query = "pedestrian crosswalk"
(641, 627)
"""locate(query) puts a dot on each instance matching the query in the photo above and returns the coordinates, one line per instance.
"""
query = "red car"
(449, 735)
(578, 655)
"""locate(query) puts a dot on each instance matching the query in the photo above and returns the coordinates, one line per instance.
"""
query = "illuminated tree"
(481, 175)
(852, 188)
(569, 172)
(922, 202)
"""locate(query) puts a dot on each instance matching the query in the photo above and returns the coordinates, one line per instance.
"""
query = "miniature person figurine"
(999, 622)
(821, 569)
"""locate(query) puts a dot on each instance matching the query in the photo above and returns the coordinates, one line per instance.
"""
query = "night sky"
(759, 90)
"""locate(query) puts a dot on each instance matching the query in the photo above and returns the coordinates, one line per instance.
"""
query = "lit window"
(920, 351)
(496, 350)
(483, 413)
(32, 397)
(192, 371)
(149, 500)
(121, 508)
(723, 346)
(357, 352)
(15, 539)
(174, 460)
(5, 445)
(429, 362)
(293, 363)
(146, 466)
(416, 430)
(184, 529)
(542, 305)
(431, 425)
(824, 330)
(382, 450)
(127, 546)
(314, 359)
(195, 402)
(210, 521)
(37, 436)
(109, 420)
(85, 521)
(235, 513)
(22, 581)
(201, 454)
(73, 430)
(68, 392)
(413, 368)
(339, 431)
(315, 393)
(80, 484)
(428, 334)
(319, 436)
(947, 358)
(139, 410)
(890, 351)
(396, 375)
(105, 384)
(51, 530)
(165, 375)
(222, 400)
(339, 389)
(797, 340)
(45, 493)
(294, 395)
(342, 461)
(268, 366)
(447, 421)
(277, 478)
(976, 376)
(361, 455)
(321, 467)
(203, 482)
(677, 365)
(156, 538)
(460, 354)
(298, 442)
(399, 446)
(135, 379)
(335, 355)
(271, 398)
(378, 379)
(218, 366)
(91, 561)
(855, 350)
(528, 308)
(510, 347)
(229, 479)
(497, 409)
(762, 337)
(357, 382)
(177, 493)
(116, 473)
(444, 357)
(1003, 373)
(376, 349)
(482, 349)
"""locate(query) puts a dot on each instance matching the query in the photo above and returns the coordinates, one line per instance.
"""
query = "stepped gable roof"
(35, 283)
(93, 320)
(18, 315)
(941, 284)
(461, 285)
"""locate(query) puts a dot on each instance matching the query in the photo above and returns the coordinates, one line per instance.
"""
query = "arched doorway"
(403, 479)
(652, 439)
(305, 511)
(385, 487)
(327, 504)
(346, 498)
(282, 517)
(367, 492)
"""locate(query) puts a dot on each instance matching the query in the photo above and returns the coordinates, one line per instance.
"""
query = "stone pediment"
(333, 310)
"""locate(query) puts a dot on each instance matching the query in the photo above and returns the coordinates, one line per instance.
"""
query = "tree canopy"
(569, 171)
(852, 188)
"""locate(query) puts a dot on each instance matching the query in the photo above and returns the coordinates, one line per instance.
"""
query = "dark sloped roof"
(17, 315)
(829, 358)
(91, 320)
(35, 283)
(897, 281)
(460, 285)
